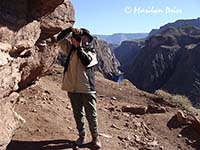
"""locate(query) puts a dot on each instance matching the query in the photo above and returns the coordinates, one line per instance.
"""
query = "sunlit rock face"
(169, 61)
(27, 48)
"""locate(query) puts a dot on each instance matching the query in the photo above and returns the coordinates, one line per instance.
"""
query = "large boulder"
(9, 121)
(27, 48)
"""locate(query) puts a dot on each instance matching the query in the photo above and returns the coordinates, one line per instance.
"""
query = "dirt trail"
(50, 124)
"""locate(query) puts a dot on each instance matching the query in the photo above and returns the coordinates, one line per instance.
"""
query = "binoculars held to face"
(78, 37)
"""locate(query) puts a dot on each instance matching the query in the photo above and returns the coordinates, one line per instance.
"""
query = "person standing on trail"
(78, 80)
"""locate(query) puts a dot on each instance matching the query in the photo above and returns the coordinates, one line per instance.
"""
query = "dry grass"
(179, 100)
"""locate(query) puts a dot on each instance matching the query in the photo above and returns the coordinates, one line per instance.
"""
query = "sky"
(131, 16)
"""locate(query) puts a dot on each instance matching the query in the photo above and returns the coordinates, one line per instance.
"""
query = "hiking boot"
(81, 140)
(96, 142)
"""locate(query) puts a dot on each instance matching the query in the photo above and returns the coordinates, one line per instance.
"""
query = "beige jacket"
(78, 78)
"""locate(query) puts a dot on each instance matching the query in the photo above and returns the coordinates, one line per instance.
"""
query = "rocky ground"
(50, 124)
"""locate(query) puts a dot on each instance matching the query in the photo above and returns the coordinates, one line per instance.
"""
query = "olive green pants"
(84, 103)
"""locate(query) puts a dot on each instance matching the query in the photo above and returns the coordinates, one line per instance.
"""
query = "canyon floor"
(50, 124)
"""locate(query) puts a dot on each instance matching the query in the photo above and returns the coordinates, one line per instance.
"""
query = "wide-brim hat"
(87, 33)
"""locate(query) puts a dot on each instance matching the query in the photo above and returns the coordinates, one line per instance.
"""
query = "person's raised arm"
(64, 33)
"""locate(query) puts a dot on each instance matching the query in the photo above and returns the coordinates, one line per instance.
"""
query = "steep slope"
(107, 62)
(27, 50)
(50, 124)
(186, 77)
(160, 58)
(127, 52)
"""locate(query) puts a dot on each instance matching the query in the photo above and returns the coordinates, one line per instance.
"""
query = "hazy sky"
(131, 16)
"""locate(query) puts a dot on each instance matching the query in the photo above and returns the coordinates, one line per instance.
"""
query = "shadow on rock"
(173, 123)
(192, 135)
(41, 145)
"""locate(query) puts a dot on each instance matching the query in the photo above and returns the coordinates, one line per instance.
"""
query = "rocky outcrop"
(9, 121)
(27, 49)
(107, 62)
(127, 52)
(189, 120)
(169, 61)
(181, 118)
(186, 78)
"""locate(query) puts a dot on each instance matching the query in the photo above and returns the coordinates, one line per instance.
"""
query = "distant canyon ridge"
(117, 38)
(168, 59)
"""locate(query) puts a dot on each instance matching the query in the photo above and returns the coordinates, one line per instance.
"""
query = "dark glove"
(64, 33)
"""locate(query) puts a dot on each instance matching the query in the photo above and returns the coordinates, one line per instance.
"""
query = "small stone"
(105, 135)
(126, 114)
(111, 103)
(47, 92)
(113, 98)
(14, 94)
(34, 110)
(179, 146)
(179, 135)
(128, 138)
(116, 117)
(76, 148)
(51, 99)
(137, 116)
(121, 138)
(161, 148)
(126, 124)
(154, 143)
(111, 109)
(70, 128)
(189, 142)
(137, 139)
(69, 107)
(103, 109)
(12, 101)
(37, 130)
(114, 126)
(138, 124)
